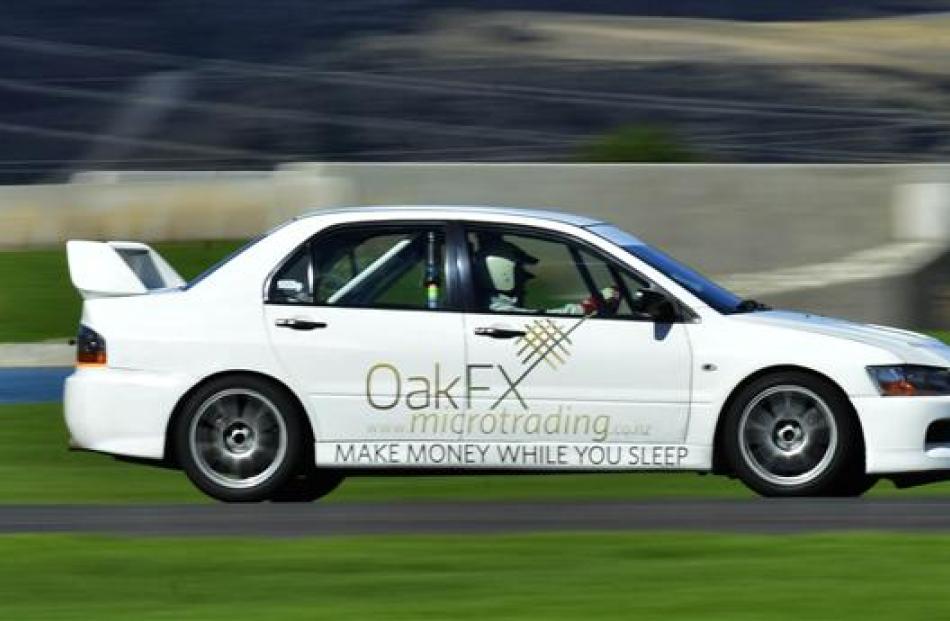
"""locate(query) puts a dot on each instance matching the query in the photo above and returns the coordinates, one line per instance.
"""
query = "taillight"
(90, 348)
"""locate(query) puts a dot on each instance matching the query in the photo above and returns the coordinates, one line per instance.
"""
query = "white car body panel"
(333, 367)
(593, 380)
(662, 394)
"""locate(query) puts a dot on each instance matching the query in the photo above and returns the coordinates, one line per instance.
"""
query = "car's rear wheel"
(795, 434)
(307, 486)
(241, 439)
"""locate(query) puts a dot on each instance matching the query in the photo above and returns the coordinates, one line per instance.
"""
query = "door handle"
(299, 324)
(499, 333)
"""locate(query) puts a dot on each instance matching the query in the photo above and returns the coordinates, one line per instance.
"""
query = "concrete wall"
(159, 206)
(726, 219)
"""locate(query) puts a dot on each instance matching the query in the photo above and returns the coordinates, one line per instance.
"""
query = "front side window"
(525, 273)
(387, 267)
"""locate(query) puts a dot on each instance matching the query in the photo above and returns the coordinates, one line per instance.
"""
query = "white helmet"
(502, 265)
(501, 272)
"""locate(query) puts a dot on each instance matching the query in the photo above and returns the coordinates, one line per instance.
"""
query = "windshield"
(710, 293)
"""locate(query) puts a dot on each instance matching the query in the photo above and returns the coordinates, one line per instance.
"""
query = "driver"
(503, 271)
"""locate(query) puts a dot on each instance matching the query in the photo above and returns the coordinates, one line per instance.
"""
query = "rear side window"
(367, 267)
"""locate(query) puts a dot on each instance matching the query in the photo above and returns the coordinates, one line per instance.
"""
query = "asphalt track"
(294, 520)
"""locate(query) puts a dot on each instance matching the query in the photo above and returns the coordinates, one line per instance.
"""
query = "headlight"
(909, 380)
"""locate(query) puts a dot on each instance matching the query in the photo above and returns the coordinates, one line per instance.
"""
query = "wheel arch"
(170, 456)
(719, 462)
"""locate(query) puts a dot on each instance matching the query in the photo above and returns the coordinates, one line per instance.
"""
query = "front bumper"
(120, 411)
(895, 432)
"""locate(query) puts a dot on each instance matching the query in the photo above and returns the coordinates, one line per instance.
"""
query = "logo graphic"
(445, 403)
(543, 341)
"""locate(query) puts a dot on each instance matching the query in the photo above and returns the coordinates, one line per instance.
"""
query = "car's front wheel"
(795, 434)
(241, 439)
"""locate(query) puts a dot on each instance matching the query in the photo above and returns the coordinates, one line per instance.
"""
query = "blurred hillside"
(237, 85)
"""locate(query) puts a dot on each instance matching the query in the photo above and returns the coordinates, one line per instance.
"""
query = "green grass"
(551, 576)
(943, 335)
(36, 467)
(38, 302)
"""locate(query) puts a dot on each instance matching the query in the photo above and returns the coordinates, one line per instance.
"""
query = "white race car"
(483, 339)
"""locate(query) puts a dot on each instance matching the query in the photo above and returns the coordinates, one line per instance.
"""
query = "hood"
(911, 347)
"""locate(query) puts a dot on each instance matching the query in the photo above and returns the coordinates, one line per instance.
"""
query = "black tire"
(856, 487)
(795, 434)
(240, 439)
(308, 486)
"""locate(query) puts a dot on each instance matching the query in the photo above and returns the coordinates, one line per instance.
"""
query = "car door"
(571, 358)
(363, 319)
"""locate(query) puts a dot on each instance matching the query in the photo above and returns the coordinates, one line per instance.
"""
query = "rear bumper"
(895, 429)
(120, 411)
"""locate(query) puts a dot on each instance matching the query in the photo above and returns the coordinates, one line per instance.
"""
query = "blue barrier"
(32, 385)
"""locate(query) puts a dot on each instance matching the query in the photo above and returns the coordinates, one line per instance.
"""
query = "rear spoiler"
(118, 268)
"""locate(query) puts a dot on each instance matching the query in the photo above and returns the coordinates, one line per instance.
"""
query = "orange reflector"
(91, 359)
(900, 388)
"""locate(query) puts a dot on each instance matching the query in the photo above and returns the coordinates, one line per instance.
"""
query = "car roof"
(540, 214)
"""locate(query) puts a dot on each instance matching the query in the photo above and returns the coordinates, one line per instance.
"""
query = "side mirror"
(658, 306)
